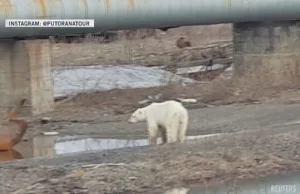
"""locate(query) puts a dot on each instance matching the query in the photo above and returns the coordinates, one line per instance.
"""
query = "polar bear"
(169, 118)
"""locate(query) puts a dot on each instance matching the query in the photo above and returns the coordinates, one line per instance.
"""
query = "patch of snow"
(69, 81)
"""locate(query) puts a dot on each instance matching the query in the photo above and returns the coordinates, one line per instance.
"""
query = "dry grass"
(263, 79)
(218, 92)
(146, 51)
(274, 72)
(277, 70)
(159, 49)
(217, 161)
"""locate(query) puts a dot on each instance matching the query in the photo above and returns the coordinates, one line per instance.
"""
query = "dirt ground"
(265, 143)
(258, 136)
(261, 141)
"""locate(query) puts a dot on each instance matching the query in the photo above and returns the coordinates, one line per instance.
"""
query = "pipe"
(133, 14)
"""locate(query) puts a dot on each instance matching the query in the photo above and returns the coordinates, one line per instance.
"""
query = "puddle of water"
(202, 136)
(92, 144)
(69, 81)
(56, 145)
(283, 184)
(177, 191)
(10, 155)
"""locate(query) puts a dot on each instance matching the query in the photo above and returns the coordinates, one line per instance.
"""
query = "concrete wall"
(40, 80)
(13, 73)
(25, 73)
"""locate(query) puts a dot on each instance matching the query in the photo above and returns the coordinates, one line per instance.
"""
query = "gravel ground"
(265, 142)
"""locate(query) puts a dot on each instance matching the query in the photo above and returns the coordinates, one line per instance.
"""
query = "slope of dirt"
(159, 49)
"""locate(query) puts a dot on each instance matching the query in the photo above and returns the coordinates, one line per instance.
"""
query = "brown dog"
(182, 43)
(12, 134)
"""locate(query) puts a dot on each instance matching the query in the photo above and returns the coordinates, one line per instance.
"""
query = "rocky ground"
(266, 144)
(262, 140)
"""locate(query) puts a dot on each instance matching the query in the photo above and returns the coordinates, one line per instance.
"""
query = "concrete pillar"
(25, 73)
(268, 51)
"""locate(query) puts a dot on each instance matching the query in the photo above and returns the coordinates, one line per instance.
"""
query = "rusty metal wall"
(130, 14)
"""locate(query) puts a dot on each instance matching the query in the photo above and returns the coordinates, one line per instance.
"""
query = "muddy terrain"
(257, 140)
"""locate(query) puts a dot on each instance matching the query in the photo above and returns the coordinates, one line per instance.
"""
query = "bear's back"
(166, 107)
(172, 103)
(165, 112)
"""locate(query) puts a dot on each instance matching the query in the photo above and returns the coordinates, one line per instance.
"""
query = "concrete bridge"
(261, 28)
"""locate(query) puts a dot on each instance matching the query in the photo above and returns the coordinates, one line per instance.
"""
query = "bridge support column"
(25, 73)
(268, 52)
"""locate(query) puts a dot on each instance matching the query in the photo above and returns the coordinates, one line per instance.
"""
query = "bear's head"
(137, 116)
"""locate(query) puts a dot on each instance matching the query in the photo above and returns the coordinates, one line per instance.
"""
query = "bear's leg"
(172, 131)
(181, 132)
(172, 128)
(163, 134)
(182, 127)
(152, 134)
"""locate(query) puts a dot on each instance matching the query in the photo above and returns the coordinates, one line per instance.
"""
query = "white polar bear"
(169, 118)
